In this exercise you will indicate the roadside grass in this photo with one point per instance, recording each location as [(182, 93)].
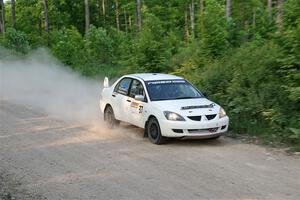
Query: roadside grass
[(265, 139)]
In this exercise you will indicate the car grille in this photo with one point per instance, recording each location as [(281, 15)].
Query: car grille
[(211, 130), (210, 117), (195, 118)]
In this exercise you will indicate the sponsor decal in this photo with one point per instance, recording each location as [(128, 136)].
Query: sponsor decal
[(138, 106), (135, 104), (165, 82), (141, 109)]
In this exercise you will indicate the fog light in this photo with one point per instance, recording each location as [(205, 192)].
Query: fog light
[(177, 130)]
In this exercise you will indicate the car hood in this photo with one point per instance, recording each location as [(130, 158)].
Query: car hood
[(188, 107)]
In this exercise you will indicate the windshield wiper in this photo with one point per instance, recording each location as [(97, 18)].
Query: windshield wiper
[(186, 97), (178, 98)]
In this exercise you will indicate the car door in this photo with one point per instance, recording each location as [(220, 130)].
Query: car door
[(136, 107), (119, 99)]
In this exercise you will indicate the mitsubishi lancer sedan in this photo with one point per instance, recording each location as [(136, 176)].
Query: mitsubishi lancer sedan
[(166, 106)]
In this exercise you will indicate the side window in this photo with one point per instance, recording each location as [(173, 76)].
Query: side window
[(136, 89), (123, 86)]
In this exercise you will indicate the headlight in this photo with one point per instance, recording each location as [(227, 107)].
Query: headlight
[(173, 116), (222, 113)]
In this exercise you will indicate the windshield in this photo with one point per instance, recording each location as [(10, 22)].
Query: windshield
[(171, 90)]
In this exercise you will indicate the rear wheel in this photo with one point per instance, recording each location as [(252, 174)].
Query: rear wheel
[(109, 118), (154, 133)]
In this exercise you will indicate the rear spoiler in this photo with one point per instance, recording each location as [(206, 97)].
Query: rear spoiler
[(106, 82)]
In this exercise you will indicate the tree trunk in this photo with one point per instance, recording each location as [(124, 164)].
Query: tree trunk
[(192, 17), (254, 19), (103, 11), (87, 15), (186, 27), (228, 9), (126, 23), (117, 15), (270, 9), (246, 28), (279, 13), (2, 17), (130, 21), (13, 13), (103, 7), (201, 15), (138, 14), (40, 22), (46, 16)]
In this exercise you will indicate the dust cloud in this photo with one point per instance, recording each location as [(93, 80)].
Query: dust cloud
[(39, 80)]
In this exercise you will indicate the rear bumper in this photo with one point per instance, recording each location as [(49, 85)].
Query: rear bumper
[(102, 106), (194, 129)]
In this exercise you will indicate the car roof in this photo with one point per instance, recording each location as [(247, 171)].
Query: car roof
[(154, 76)]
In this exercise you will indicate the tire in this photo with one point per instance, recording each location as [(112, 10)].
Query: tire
[(109, 118), (154, 133)]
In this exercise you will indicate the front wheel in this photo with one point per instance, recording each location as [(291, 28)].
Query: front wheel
[(154, 133), (109, 118)]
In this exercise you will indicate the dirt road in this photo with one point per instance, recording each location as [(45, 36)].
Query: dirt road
[(57, 159)]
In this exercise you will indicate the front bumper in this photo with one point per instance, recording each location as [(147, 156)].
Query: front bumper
[(194, 129)]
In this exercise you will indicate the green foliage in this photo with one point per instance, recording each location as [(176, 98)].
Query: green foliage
[(91, 55), (250, 85), (251, 21), (68, 46), (289, 38), (99, 45), (16, 41), (189, 60), (150, 52), (214, 35), (292, 13)]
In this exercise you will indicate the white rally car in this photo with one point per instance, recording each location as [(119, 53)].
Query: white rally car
[(164, 105)]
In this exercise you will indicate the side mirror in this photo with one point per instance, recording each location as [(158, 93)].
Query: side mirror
[(139, 97), (105, 83)]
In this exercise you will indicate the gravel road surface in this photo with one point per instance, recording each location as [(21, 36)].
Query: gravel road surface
[(51, 158)]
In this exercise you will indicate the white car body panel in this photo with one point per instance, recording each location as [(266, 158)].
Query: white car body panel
[(135, 112)]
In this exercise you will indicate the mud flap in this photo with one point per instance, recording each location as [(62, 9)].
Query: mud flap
[(146, 130)]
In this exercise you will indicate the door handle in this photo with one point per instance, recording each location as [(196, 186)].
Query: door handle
[(113, 95), (128, 100)]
